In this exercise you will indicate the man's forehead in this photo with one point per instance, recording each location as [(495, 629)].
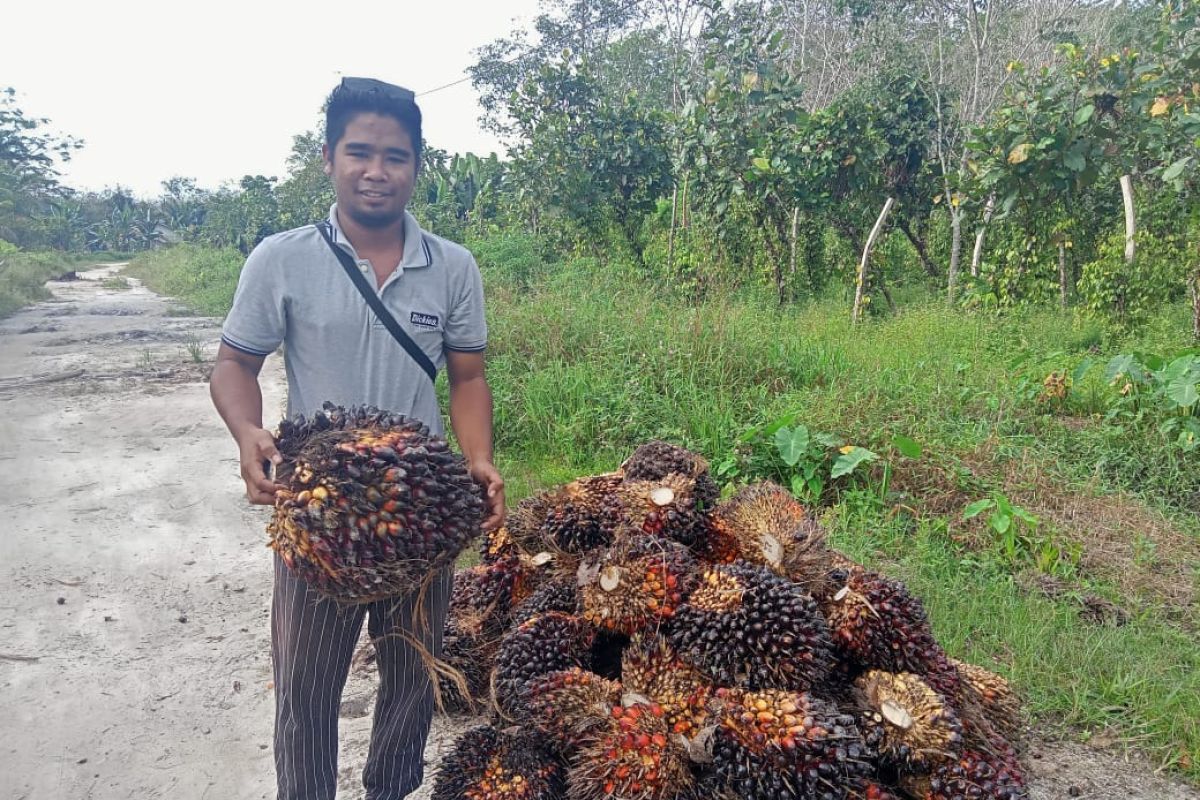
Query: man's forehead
[(371, 126)]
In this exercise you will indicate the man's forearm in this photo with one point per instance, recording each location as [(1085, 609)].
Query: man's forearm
[(237, 396), (471, 418)]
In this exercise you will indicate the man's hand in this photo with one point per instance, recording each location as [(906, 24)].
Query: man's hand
[(485, 475), (257, 447)]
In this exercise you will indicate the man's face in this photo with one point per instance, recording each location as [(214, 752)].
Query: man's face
[(373, 170)]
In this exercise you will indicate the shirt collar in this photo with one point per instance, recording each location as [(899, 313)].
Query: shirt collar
[(416, 249)]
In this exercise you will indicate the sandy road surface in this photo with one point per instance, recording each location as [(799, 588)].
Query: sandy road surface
[(134, 587)]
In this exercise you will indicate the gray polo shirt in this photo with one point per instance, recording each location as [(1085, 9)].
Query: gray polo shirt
[(294, 292)]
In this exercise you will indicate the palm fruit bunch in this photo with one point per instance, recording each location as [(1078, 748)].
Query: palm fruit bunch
[(670, 507), (651, 669), (906, 722), (667, 646), (764, 524), (744, 625), (994, 695), (876, 623), (496, 545), (569, 705), (633, 757), (571, 519), (372, 504), (635, 583), (656, 460), (480, 610), (546, 643), (555, 594), (488, 764), (969, 775), (780, 745)]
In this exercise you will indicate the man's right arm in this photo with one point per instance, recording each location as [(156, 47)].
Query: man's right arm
[(238, 398)]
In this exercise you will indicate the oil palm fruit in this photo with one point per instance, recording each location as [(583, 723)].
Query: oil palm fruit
[(633, 758), (482, 598), (636, 583), (472, 656), (995, 695), (650, 668), (496, 545), (487, 764), (546, 643), (570, 518), (972, 775), (570, 705), (372, 503), (907, 723), (670, 507), (555, 594), (766, 525), (780, 745), (743, 625), (878, 624), (657, 459), (873, 790)]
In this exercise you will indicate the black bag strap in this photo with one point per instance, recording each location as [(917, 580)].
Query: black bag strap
[(372, 297)]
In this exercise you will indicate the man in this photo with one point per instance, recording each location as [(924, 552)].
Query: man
[(295, 291)]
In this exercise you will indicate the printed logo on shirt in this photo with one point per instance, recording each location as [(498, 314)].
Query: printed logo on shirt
[(424, 320)]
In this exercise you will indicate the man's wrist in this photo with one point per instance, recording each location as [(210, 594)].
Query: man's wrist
[(244, 431)]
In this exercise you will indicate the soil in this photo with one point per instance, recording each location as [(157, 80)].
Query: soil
[(135, 587)]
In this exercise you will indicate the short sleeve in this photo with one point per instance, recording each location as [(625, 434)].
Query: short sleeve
[(257, 322), (466, 329)]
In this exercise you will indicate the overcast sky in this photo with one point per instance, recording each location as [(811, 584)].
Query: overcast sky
[(216, 89)]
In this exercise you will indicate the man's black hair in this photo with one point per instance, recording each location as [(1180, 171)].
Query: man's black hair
[(354, 96)]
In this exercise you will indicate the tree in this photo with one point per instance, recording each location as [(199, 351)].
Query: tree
[(242, 217), (182, 206), (28, 174), (305, 195), (583, 28), (585, 156)]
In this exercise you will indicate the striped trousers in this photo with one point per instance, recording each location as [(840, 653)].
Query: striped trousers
[(312, 642)]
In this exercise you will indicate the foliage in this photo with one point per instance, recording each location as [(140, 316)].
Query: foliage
[(787, 452), (23, 276), (594, 160), (1020, 538), (1157, 390), (203, 277), (305, 195), (243, 218), (1132, 292), (28, 174), (458, 196), (584, 28)]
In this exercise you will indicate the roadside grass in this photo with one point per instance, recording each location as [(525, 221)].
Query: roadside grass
[(116, 283), (203, 278), (587, 360), (1136, 683), (23, 275)]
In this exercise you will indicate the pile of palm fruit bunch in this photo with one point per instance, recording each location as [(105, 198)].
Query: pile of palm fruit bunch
[(372, 504), (632, 638)]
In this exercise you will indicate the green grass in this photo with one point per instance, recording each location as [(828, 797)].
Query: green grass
[(587, 360), (23, 275), (1139, 681), (204, 278)]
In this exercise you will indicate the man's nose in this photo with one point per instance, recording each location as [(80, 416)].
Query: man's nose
[(375, 169)]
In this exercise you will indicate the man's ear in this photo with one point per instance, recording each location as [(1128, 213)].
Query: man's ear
[(327, 157)]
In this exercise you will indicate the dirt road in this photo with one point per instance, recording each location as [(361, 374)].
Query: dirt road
[(134, 585)]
